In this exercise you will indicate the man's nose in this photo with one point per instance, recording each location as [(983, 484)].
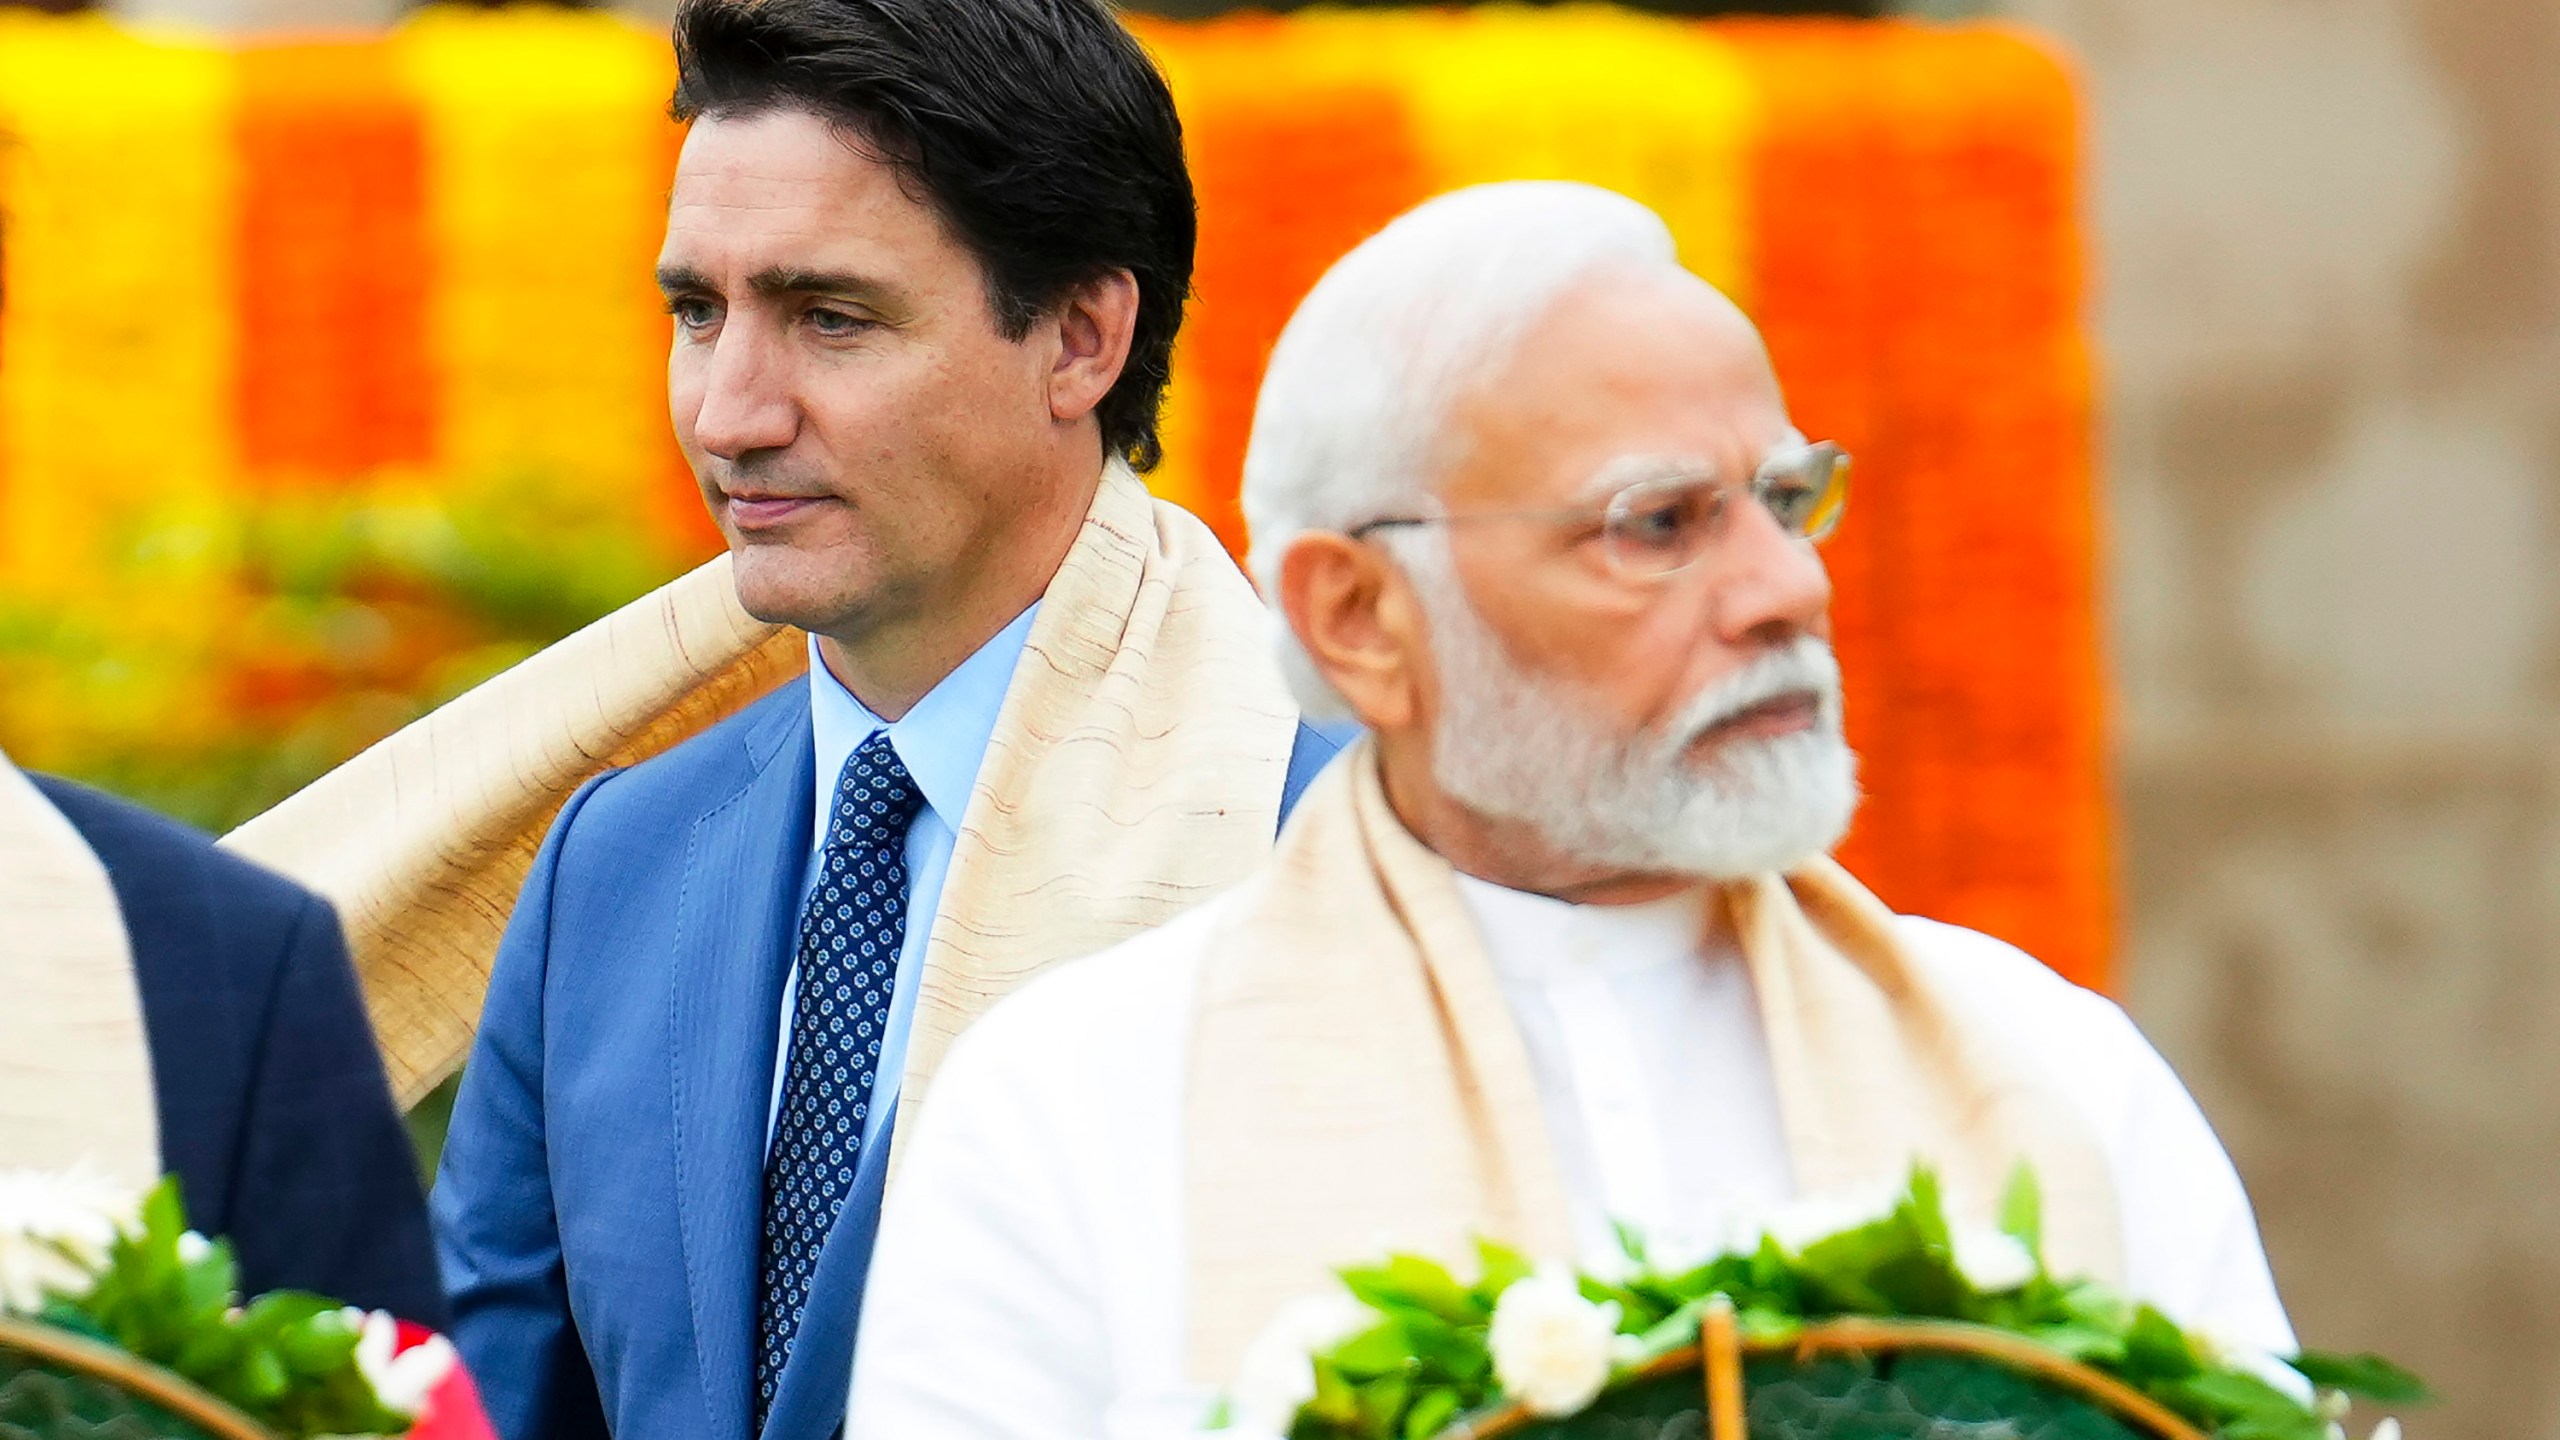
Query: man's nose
[(747, 400), (1769, 583)]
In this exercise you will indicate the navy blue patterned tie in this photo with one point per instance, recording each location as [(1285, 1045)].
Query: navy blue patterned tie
[(850, 935)]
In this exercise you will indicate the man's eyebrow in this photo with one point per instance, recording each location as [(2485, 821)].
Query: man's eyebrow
[(1626, 470), (783, 280), (680, 279), (779, 280)]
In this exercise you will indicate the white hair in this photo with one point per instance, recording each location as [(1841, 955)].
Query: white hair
[(1350, 421)]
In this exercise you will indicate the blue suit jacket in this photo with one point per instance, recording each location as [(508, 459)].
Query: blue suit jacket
[(600, 1207), (274, 1113)]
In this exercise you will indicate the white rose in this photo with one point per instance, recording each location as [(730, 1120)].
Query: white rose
[(55, 1233), (1550, 1346), (1992, 1261), (403, 1381), (1278, 1374)]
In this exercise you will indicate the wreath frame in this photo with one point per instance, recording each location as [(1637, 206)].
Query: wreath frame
[(106, 1365), (1722, 1349)]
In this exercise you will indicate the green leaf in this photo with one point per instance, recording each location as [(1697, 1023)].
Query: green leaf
[(1410, 1282), (1431, 1413), (1379, 1350), (1762, 1326), (2085, 1343), (260, 1376), (1924, 1208), (164, 1218), (1630, 1243), (1456, 1352), (1500, 1268), (2369, 1376), (1382, 1404), (317, 1348), (2155, 1348), (1335, 1401), (2022, 1211), (1675, 1331), (2236, 1395), (2303, 1425), (2092, 1305)]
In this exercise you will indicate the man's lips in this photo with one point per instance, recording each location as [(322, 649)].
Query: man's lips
[(1788, 714), (765, 512)]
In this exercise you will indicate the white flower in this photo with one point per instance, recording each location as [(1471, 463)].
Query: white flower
[(2337, 1431), (402, 1382), (2387, 1429), (1815, 1218), (1277, 1374), (55, 1231), (1992, 1261), (193, 1248), (1550, 1346)]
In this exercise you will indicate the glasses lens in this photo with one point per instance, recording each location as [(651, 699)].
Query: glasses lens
[(1806, 489), (1662, 525)]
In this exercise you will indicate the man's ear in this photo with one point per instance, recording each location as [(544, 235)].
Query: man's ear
[(1357, 620), (1095, 325)]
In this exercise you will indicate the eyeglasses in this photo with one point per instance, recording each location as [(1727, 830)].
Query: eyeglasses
[(1662, 524)]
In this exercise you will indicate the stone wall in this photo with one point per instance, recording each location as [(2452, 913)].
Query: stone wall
[(2329, 236)]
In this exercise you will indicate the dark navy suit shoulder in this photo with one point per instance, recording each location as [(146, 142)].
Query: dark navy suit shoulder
[(274, 1112), (141, 847)]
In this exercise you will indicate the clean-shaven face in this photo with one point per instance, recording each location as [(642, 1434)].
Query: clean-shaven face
[(858, 423)]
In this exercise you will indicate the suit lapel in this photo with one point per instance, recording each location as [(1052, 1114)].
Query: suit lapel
[(735, 925), (809, 1402)]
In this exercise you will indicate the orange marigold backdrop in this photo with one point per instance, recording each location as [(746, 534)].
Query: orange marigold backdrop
[(283, 319)]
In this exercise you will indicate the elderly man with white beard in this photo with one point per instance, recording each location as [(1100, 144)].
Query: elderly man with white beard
[(1557, 946)]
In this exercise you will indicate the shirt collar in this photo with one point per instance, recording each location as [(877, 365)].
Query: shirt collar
[(942, 741)]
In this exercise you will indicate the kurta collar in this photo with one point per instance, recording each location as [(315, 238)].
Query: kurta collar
[(1538, 937)]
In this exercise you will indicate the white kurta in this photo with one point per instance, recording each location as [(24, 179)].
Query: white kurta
[(1030, 1279)]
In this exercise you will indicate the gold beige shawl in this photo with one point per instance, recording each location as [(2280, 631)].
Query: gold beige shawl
[(1356, 1077), (75, 1060), (1136, 766)]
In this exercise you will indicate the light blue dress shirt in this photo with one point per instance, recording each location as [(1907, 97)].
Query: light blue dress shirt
[(942, 741)]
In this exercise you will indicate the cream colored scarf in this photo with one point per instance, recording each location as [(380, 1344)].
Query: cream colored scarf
[(1356, 1075), (1136, 766), (75, 1060)]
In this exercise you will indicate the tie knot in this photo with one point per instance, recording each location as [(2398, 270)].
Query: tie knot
[(876, 799)]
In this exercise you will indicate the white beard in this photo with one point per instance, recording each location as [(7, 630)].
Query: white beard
[(1525, 748)]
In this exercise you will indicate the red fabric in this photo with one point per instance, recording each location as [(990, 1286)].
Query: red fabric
[(453, 1411)]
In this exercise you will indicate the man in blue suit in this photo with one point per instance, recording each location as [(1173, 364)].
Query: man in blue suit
[(925, 260)]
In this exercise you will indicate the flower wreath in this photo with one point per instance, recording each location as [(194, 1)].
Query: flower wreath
[(80, 1254), (1408, 1349)]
